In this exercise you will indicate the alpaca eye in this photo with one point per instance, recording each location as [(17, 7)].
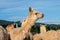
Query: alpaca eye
[(24, 20), (36, 13)]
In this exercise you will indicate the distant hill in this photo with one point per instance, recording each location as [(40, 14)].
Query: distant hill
[(35, 27), (4, 22)]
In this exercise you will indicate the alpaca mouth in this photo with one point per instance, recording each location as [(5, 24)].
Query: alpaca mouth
[(42, 15)]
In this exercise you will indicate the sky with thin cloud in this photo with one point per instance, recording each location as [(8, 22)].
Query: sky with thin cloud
[(16, 10)]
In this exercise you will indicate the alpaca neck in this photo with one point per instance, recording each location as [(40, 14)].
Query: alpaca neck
[(42, 29), (27, 26)]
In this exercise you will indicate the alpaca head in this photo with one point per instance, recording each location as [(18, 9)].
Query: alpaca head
[(10, 27), (34, 15), (42, 28)]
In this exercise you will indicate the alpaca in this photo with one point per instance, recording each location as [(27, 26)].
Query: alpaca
[(20, 34), (11, 26), (49, 35), (3, 34), (42, 31)]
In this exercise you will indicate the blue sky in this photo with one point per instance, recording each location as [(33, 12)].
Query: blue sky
[(15, 10)]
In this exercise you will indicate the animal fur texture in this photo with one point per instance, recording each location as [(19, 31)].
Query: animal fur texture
[(47, 35), (3, 34), (20, 34)]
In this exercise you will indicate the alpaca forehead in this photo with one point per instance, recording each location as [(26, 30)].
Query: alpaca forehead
[(34, 11)]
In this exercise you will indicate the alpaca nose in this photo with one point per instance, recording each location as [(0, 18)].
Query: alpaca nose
[(42, 15)]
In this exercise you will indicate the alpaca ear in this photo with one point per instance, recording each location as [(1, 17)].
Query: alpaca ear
[(24, 20), (30, 9)]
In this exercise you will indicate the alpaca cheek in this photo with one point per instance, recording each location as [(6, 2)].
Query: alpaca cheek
[(34, 17)]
